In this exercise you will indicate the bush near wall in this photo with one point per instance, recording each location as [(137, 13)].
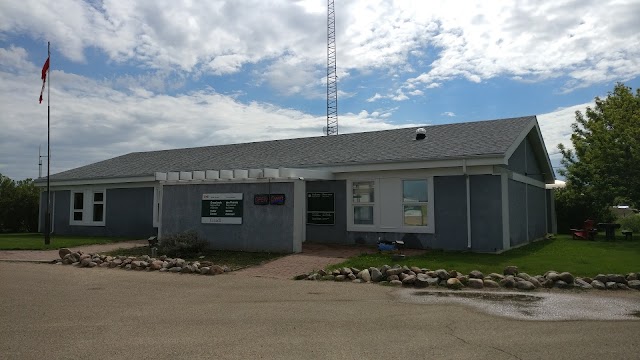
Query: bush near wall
[(631, 223), (185, 244)]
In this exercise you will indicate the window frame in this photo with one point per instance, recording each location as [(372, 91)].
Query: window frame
[(415, 203), (371, 204), (87, 211)]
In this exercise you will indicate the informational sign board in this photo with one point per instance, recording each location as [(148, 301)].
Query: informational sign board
[(222, 208), (321, 208)]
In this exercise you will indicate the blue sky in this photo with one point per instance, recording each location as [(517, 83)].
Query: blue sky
[(147, 75)]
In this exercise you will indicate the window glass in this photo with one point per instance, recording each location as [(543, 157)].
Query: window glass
[(363, 192), (98, 197), (98, 212), (78, 201), (77, 215), (363, 215), (415, 215), (414, 190)]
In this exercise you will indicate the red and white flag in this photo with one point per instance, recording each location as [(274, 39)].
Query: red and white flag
[(45, 69)]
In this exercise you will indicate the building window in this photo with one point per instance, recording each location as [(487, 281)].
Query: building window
[(415, 202), (88, 207), (78, 206), (363, 201)]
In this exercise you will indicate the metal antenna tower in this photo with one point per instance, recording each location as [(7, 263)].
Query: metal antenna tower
[(332, 77)]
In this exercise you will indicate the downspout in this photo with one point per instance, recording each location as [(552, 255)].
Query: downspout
[(466, 175)]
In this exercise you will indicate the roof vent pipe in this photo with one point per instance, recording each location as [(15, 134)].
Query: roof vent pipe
[(421, 133)]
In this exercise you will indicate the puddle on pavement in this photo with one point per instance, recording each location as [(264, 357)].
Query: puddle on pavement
[(541, 306)]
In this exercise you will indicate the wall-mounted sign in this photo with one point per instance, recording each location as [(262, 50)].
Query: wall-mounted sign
[(266, 199), (321, 208), (222, 208)]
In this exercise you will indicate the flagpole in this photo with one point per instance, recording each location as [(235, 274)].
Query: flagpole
[(47, 239)]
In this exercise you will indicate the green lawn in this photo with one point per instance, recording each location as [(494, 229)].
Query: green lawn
[(35, 241), (580, 257), (233, 259)]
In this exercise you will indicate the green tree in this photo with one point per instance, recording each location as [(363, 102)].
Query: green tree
[(604, 164), (18, 205)]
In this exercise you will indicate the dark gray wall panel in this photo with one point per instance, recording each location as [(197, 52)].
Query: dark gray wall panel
[(517, 161), (537, 219), (517, 213), (129, 213), (486, 213), (450, 193), (263, 228), (330, 234)]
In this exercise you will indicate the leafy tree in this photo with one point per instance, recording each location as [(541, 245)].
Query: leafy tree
[(18, 205), (604, 165)]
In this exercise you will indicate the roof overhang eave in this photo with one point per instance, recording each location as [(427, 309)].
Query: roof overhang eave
[(42, 182)]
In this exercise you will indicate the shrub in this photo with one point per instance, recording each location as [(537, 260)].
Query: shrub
[(631, 223), (185, 244)]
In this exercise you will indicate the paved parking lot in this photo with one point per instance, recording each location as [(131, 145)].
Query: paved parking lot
[(63, 312)]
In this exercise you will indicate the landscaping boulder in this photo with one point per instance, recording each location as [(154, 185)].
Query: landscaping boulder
[(632, 276), (535, 282), (454, 283), (393, 277), (442, 274), (561, 284), (328, 277), (475, 274), (511, 270), (394, 271), (409, 280), (364, 275), (553, 276), (597, 284), (617, 278), (496, 277), (634, 284), (566, 277), (524, 276), (475, 283), (340, 277), (602, 278), (216, 270), (433, 281), (491, 284), (583, 284), (395, 282), (85, 262), (352, 276), (416, 270), (63, 252), (204, 270), (376, 275), (525, 285), (507, 282), (421, 281)]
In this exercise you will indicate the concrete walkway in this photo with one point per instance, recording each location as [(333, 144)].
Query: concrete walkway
[(48, 255), (312, 257)]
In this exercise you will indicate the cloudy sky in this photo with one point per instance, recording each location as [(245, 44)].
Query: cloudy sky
[(143, 75)]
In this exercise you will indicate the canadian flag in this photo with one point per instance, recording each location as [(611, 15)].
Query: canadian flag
[(45, 69)]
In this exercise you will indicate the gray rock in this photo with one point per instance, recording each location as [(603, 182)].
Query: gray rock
[(322, 272), (340, 277), (464, 279), (510, 270), (611, 285), (136, 263), (204, 270), (395, 283), (421, 281), (442, 283), (68, 259), (491, 284), (566, 277), (314, 276), (416, 270), (561, 284), (85, 262), (454, 273), (336, 272), (632, 276), (475, 274), (297, 277), (535, 282), (384, 269), (92, 264), (616, 278), (187, 269), (454, 283), (442, 274), (357, 281), (598, 285), (104, 264), (364, 275), (355, 271), (394, 271), (634, 284), (346, 271), (496, 277), (583, 284), (376, 275), (175, 269), (507, 283), (63, 252), (216, 270), (352, 276), (127, 267), (588, 280), (524, 276), (547, 283), (525, 285), (475, 283), (622, 286), (602, 278), (328, 277), (164, 270), (393, 277), (145, 258), (553, 276), (409, 279), (180, 262), (433, 281), (156, 265)]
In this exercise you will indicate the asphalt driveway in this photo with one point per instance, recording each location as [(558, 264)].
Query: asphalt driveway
[(62, 312)]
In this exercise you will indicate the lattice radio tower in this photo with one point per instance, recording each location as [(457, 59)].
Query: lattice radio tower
[(332, 77)]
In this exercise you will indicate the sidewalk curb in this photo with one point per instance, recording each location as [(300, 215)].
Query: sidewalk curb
[(28, 261)]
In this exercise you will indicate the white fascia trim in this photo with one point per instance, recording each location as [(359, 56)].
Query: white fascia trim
[(106, 186), (80, 182), (496, 160), (544, 149), (226, 181), (519, 177)]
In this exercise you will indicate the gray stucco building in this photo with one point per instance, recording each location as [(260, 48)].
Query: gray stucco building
[(476, 186)]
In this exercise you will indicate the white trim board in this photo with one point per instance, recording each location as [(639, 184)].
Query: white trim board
[(81, 182)]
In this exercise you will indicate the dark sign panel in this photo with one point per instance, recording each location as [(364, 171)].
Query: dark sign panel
[(266, 199), (222, 208), (320, 208)]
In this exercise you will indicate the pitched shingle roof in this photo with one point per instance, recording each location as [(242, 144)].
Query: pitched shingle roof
[(450, 141)]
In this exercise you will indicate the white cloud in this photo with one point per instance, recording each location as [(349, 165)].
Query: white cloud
[(375, 97), (476, 41), (92, 121), (448, 113)]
